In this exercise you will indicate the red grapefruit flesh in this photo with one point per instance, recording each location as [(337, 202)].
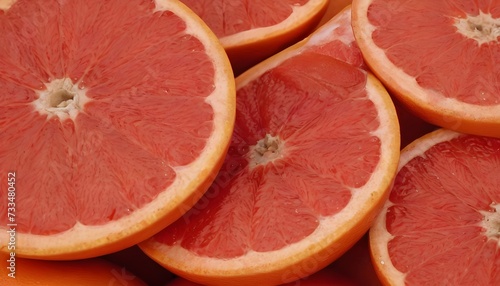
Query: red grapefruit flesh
[(438, 57), (441, 223), (114, 113), (314, 151)]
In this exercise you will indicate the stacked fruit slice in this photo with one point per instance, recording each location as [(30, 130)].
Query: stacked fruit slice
[(113, 114), (440, 225), (439, 58), (120, 118), (313, 154)]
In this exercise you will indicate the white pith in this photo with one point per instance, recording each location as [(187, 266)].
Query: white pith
[(330, 228), (491, 222), (66, 109), (6, 4), (83, 237), (483, 27), (266, 150)]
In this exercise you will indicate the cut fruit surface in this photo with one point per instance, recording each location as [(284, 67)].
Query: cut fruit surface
[(115, 117), (441, 223), (94, 271), (439, 58), (251, 31), (313, 153)]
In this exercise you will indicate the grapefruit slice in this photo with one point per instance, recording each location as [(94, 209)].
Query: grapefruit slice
[(113, 115), (439, 58), (94, 271), (314, 151), (440, 225), (251, 31)]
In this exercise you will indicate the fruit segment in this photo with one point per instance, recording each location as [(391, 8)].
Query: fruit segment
[(311, 159)]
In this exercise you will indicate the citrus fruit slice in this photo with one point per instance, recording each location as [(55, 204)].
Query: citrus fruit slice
[(440, 225), (93, 271), (251, 31), (439, 58), (113, 114), (313, 153)]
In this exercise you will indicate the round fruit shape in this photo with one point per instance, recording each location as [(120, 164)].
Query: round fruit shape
[(115, 117), (440, 58), (440, 225), (313, 154)]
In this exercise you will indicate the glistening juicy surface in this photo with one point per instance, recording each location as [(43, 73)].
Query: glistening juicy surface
[(422, 39), (440, 201), (323, 119), (226, 18), (146, 114)]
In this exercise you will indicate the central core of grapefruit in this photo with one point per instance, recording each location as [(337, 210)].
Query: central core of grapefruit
[(266, 150), (61, 98), (483, 27), (491, 222), (6, 4)]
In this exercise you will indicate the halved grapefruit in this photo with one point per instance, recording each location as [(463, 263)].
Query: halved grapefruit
[(251, 31), (313, 154), (440, 225), (439, 57), (114, 113)]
